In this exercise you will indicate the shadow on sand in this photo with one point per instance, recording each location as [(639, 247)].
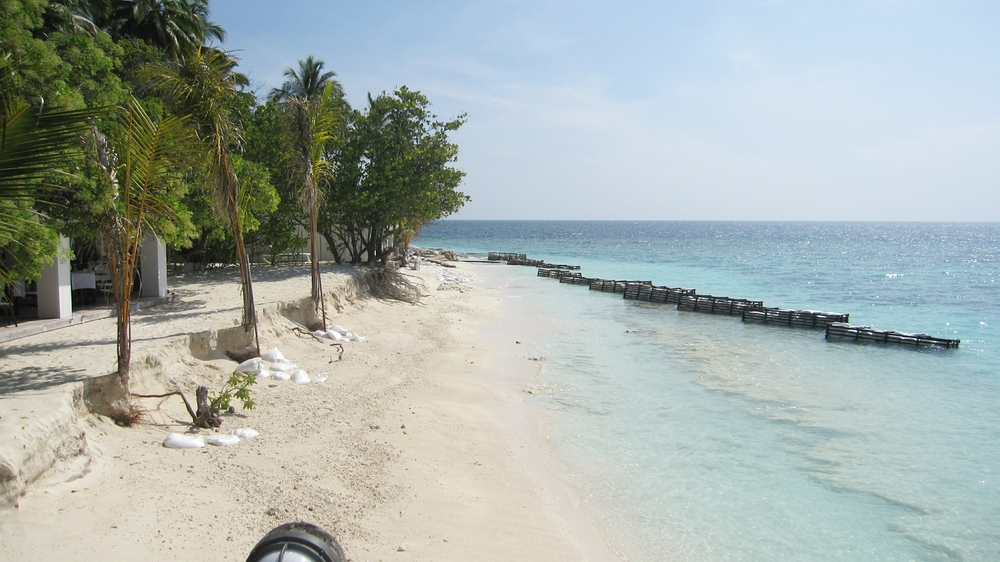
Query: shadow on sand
[(33, 379)]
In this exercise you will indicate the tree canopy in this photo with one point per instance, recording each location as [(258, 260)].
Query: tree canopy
[(377, 173), (394, 175), (121, 119)]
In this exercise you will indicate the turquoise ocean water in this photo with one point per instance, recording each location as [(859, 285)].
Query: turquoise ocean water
[(699, 437)]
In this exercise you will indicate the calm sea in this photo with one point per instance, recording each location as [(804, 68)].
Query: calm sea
[(698, 437)]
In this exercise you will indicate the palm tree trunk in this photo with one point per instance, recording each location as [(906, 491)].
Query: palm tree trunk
[(317, 280), (246, 282), (123, 306)]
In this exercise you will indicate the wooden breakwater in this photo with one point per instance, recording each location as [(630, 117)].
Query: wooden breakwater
[(835, 325), (716, 305), (845, 331), (521, 259), (651, 293), (800, 318), (557, 273), (613, 285), (504, 256)]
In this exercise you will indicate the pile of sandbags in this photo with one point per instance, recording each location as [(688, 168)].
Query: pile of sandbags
[(280, 368), (181, 441), (339, 334)]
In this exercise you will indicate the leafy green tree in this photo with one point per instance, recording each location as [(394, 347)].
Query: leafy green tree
[(213, 242), (48, 70), (395, 174), (33, 142), (264, 146)]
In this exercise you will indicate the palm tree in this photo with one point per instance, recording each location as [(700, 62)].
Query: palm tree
[(306, 83), (138, 170), (311, 124), (76, 16), (201, 85), (176, 26)]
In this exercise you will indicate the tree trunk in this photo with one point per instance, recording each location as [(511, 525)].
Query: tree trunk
[(204, 417), (232, 187), (123, 306), (246, 283), (317, 280), (331, 241)]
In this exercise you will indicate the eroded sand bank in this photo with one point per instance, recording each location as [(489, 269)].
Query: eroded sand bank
[(417, 446)]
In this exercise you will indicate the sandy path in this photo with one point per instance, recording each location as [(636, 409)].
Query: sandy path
[(405, 453)]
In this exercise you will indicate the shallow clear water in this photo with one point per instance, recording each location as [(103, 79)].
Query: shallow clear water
[(699, 437)]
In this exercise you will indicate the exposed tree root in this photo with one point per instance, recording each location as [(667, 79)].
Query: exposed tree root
[(390, 283), (302, 334), (127, 417)]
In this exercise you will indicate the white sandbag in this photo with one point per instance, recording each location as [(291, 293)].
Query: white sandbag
[(284, 368), (334, 335), (321, 377), (274, 356), (280, 376), (181, 441), (339, 329), (355, 337), (222, 440), (300, 377), (249, 366), (245, 433), (319, 334), (263, 374)]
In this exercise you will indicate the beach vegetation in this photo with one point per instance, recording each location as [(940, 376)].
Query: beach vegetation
[(33, 145), (312, 106), (394, 174), (236, 388), (120, 120), (204, 85), (279, 227), (177, 27), (141, 163), (307, 82)]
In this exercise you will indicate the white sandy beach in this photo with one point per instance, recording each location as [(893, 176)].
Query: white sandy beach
[(417, 447)]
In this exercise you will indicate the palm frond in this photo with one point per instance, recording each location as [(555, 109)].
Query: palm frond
[(33, 144), (153, 156)]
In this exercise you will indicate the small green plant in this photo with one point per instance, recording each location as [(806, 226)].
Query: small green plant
[(238, 387)]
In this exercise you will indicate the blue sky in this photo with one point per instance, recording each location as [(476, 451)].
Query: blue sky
[(697, 110)]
